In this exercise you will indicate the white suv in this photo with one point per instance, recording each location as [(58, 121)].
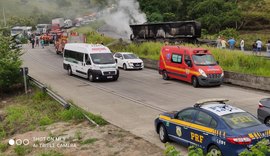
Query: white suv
[(127, 60)]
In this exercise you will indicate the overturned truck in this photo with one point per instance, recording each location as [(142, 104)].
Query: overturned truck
[(179, 31)]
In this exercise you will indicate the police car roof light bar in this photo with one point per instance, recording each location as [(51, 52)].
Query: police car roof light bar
[(204, 101)]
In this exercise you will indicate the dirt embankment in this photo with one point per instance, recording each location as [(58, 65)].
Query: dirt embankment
[(36, 125), (82, 139)]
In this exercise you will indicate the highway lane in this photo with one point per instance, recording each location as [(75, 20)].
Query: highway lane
[(135, 100)]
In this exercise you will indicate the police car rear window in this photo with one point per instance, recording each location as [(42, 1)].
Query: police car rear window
[(240, 120)]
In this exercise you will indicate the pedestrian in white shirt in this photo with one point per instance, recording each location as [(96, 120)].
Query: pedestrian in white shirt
[(242, 45), (259, 46)]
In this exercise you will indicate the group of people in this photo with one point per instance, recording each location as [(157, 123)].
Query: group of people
[(256, 46), (222, 43), (36, 40)]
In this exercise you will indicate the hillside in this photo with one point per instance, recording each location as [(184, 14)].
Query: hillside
[(215, 15)]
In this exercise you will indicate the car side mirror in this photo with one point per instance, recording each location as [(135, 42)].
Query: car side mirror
[(121, 58), (217, 62), (88, 62), (189, 63)]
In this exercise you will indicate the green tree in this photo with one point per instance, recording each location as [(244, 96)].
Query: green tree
[(215, 14), (10, 63), (155, 17), (169, 16), (21, 21)]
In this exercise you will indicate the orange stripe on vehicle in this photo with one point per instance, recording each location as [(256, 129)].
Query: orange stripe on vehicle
[(177, 68), (191, 125)]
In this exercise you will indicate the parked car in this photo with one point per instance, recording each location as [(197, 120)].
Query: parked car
[(263, 112), (212, 125), (127, 60)]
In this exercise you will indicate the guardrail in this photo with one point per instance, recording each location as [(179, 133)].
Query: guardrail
[(58, 98)]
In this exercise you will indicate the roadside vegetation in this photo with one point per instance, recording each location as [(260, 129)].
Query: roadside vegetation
[(235, 61), (38, 115), (10, 63), (27, 112), (260, 149)]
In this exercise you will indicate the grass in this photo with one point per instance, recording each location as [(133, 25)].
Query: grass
[(22, 150), (27, 112), (78, 135), (3, 147), (89, 141), (51, 153)]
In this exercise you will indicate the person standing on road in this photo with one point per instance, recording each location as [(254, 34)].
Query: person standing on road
[(37, 41), (33, 42), (42, 42), (242, 45), (259, 46), (231, 43)]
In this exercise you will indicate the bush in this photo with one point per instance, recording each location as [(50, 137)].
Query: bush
[(228, 33), (260, 149), (10, 63)]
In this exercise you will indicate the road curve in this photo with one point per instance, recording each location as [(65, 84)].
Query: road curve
[(135, 100)]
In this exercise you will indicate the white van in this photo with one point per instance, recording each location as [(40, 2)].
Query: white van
[(91, 61)]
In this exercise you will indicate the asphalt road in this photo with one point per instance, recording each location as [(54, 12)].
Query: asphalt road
[(136, 99)]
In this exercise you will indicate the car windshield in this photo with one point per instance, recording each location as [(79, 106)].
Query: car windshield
[(130, 56), (240, 120), (41, 26), (102, 58), (15, 31), (204, 60)]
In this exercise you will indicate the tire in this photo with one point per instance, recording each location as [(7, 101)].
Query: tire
[(69, 70), (91, 77), (163, 135), (195, 82), (214, 151), (115, 78), (124, 66), (267, 121), (165, 75)]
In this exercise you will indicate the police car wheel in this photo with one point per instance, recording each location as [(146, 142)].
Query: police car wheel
[(70, 71), (195, 82), (165, 75), (267, 121), (214, 151), (163, 135)]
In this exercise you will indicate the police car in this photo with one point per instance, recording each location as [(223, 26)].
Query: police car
[(213, 126)]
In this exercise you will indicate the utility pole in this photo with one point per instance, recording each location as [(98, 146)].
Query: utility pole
[(5, 22)]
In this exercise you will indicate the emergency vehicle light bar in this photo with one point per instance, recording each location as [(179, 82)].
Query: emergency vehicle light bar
[(204, 101)]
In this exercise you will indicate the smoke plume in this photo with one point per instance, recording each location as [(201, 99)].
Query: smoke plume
[(121, 15)]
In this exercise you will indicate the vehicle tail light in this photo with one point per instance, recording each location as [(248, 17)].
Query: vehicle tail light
[(239, 140), (261, 105)]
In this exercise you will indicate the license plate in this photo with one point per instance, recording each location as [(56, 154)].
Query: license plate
[(137, 65), (109, 77)]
